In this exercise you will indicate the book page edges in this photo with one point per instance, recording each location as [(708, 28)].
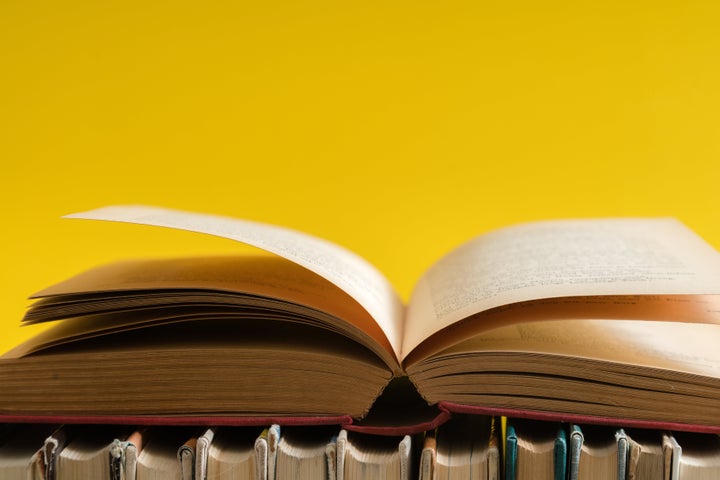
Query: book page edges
[(178, 420), (342, 267)]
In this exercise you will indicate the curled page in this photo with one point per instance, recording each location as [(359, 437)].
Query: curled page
[(561, 258), (347, 270)]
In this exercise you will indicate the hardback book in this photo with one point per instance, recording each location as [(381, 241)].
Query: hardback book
[(306, 453), (587, 321), (465, 447), (158, 458), (671, 457), (237, 453), (597, 452), (21, 452), (535, 450), (187, 458), (125, 456), (697, 457), (202, 447), (53, 446), (361, 456), (652, 454), (428, 456), (93, 452)]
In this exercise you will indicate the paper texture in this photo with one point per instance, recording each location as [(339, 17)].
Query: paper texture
[(560, 258)]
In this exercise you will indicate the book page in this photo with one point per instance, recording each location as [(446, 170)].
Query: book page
[(663, 345), (342, 267), (682, 309), (179, 289), (561, 258)]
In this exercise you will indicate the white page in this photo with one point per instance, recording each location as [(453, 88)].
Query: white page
[(340, 266), (557, 259)]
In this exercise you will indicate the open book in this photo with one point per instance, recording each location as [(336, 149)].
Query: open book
[(599, 321)]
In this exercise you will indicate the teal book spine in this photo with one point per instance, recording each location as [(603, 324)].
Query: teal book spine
[(510, 453), (560, 454)]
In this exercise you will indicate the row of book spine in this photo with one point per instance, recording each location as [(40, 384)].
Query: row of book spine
[(465, 447)]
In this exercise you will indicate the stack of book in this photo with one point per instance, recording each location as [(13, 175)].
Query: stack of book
[(596, 339), (464, 447)]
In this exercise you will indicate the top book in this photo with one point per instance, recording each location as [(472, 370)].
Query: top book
[(596, 321)]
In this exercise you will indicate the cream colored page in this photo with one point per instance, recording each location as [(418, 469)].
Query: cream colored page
[(672, 346), (345, 269), (557, 259)]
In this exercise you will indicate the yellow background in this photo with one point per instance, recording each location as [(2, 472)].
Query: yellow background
[(398, 129)]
